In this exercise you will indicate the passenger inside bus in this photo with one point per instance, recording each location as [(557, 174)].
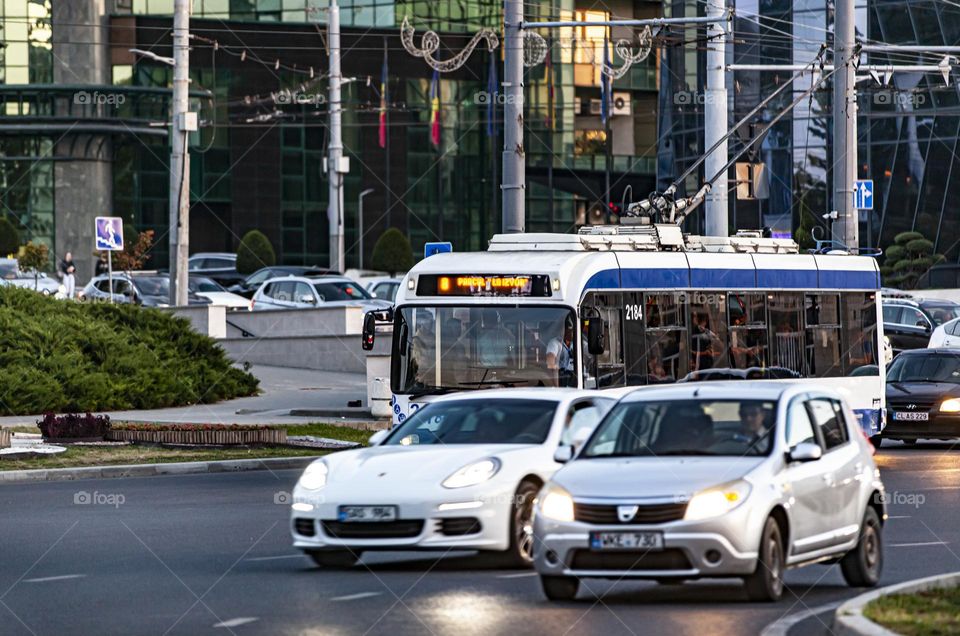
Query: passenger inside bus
[(495, 343)]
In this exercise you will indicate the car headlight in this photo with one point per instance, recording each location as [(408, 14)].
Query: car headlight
[(473, 474), (950, 406), (717, 501), (315, 476), (556, 504)]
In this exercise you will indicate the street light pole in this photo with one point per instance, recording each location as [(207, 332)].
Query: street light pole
[(846, 225), (335, 148), (182, 123), (360, 226)]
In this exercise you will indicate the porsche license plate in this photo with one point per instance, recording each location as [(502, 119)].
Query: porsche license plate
[(367, 513), (626, 541)]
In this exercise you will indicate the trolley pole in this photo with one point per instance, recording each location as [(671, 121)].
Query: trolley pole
[(845, 228), (514, 162)]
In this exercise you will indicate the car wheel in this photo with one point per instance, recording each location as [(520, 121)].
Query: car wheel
[(877, 441), (560, 588), (766, 583), (520, 552), (334, 558), (863, 565)]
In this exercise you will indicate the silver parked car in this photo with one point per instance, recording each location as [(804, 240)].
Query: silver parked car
[(721, 479), (11, 274), (303, 292)]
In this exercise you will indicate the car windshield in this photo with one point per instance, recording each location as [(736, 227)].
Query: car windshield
[(9, 270), (479, 421), (942, 313), (153, 285), (926, 367), (204, 285), (463, 347), (685, 427), (340, 290)]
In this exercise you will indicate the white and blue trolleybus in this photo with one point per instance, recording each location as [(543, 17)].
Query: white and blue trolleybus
[(619, 306)]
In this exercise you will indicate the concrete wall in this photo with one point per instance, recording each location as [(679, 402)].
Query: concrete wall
[(297, 322), (324, 353)]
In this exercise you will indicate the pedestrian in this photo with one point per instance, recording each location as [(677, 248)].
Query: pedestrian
[(101, 267), (67, 273)]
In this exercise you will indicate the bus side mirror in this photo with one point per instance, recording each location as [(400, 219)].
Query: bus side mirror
[(369, 330), (595, 340)]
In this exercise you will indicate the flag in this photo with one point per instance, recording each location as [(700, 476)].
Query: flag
[(383, 99), (551, 104), (605, 85), (493, 90), (435, 108)]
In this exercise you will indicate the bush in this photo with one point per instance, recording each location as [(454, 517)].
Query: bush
[(73, 357), (254, 252), (74, 425), (392, 252), (9, 238), (909, 258)]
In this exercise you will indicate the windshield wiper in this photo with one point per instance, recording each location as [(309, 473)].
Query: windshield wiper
[(682, 452), (433, 390)]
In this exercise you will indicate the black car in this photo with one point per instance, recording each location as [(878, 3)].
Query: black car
[(249, 286), (923, 395), (908, 323), (148, 289)]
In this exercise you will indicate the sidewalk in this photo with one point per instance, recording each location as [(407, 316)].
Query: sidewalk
[(323, 395)]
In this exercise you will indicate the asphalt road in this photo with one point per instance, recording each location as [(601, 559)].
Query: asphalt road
[(210, 554)]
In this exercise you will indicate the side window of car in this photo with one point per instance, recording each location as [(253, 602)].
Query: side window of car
[(914, 317), (304, 291), (102, 285), (799, 429), (952, 327), (195, 264), (259, 277), (268, 289), (891, 314), (830, 422), (580, 415)]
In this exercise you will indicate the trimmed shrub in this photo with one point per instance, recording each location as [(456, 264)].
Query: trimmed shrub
[(75, 357), (908, 259), (9, 238), (74, 425), (254, 252), (392, 252)]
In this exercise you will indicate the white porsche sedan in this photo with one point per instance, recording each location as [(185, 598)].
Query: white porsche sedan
[(462, 472)]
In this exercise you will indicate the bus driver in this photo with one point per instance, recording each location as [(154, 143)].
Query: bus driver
[(560, 356)]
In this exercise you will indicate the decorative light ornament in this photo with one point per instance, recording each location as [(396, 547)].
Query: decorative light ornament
[(534, 48), (430, 43), (625, 52)]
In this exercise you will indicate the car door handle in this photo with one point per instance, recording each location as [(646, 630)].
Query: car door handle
[(829, 479)]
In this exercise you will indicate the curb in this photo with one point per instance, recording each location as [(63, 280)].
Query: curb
[(152, 470), (850, 621)]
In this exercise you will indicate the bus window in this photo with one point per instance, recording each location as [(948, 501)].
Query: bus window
[(606, 369), (708, 331), (859, 332), (823, 335), (666, 337), (786, 338), (748, 330)]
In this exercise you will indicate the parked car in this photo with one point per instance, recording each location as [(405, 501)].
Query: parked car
[(718, 479), (249, 286), (460, 473), (923, 395), (150, 289), (946, 335), (11, 274), (301, 292), (384, 288), (220, 266), (214, 291), (910, 323)]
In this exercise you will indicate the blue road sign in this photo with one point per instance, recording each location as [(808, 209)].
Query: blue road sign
[(429, 249), (863, 194), (109, 233)]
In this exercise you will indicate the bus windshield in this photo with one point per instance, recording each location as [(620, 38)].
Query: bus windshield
[(452, 348)]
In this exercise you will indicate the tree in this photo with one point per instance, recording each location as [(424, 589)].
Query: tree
[(392, 252), (9, 238), (136, 252), (255, 251), (35, 257), (804, 233), (910, 256)]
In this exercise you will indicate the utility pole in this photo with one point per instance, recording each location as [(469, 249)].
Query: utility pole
[(845, 228), (335, 148), (715, 120), (182, 123), (514, 169)]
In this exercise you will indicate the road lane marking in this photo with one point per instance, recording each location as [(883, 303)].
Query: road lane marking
[(518, 575), (46, 579), (917, 545), (236, 622), (355, 597), (898, 517), (282, 556), (783, 626)]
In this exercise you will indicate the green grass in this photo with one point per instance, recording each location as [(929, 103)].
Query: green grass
[(930, 613)]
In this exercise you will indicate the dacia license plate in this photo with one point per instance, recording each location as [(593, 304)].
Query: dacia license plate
[(626, 541), (370, 514)]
